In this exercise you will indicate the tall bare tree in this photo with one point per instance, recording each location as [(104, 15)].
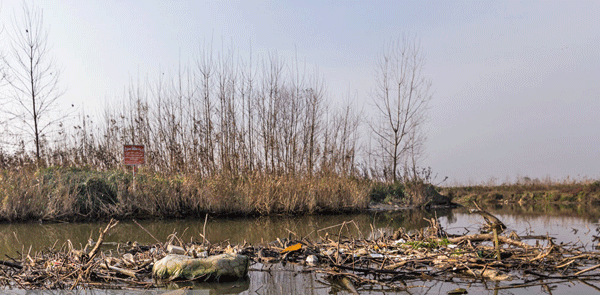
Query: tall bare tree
[(3, 80), (33, 76), (313, 125), (3, 67), (401, 99)]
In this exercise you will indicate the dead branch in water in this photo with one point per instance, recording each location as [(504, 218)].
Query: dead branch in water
[(103, 233), (399, 262), (489, 237)]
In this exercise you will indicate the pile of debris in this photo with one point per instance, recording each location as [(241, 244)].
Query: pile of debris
[(394, 262)]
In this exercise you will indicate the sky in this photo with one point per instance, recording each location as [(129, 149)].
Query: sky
[(516, 84)]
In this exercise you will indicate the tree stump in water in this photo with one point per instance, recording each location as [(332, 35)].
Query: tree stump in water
[(213, 268)]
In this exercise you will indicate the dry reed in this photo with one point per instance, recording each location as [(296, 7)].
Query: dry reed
[(83, 194)]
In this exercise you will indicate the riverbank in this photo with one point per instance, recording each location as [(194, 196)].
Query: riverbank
[(566, 192), (84, 194), (76, 194)]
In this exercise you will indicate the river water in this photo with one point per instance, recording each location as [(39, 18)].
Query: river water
[(568, 224)]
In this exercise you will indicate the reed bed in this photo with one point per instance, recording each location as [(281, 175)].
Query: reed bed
[(83, 194)]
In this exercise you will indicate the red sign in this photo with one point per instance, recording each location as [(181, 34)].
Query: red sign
[(133, 155)]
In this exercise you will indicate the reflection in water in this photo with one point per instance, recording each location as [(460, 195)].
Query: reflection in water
[(557, 221), (565, 223), (279, 279), (19, 237), (212, 288)]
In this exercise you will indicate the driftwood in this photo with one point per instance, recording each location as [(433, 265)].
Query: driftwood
[(110, 226), (489, 237), (11, 264), (492, 221), (586, 270), (396, 263), (495, 224), (126, 272)]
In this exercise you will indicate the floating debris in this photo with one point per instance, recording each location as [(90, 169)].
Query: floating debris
[(312, 259), (395, 261)]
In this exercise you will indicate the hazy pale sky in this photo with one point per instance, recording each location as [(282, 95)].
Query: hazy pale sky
[(516, 84)]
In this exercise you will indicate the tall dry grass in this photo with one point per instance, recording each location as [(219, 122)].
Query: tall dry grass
[(84, 194)]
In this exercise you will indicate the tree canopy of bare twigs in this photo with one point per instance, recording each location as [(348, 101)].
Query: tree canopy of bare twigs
[(3, 74), (221, 114), (401, 99), (225, 115), (33, 79)]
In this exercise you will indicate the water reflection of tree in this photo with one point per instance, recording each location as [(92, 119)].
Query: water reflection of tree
[(288, 279), (234, 287), (411, 219), (586, 212), (18, 237)]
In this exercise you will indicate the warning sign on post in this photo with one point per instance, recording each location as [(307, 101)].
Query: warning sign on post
[(133, 155)]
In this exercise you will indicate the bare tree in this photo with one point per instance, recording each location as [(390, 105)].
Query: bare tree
[(224, 116), (207, 70), (3, 80), (3, 67), (313, 124), (401, 99), (33, 77)]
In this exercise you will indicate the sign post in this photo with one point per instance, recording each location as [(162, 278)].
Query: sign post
[(134, 155)]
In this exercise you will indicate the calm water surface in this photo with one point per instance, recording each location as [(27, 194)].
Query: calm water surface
[(571, 224)]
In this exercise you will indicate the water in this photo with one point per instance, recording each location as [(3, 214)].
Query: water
[(567, 224), (19, 237)]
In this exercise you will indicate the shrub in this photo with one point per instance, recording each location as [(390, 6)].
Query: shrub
[(382, 192)]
